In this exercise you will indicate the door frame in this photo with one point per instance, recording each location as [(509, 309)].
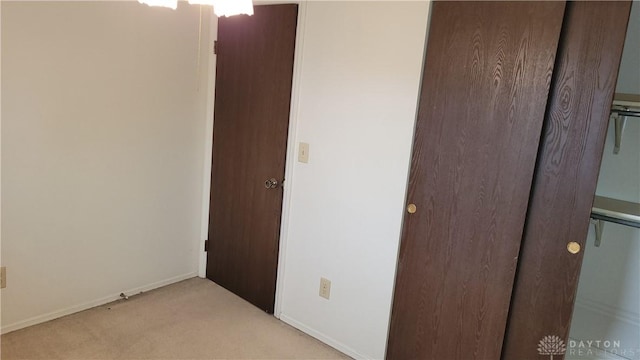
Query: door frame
[(290, 154)]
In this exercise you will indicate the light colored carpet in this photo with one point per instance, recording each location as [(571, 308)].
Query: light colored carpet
[(192, 319)]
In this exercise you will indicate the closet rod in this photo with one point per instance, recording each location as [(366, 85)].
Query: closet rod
[(615, 211)]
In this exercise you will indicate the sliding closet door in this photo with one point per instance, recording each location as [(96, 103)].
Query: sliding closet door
[(485, 85), (566, 176)]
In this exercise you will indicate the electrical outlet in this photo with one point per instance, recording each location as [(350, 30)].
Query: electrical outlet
[(3, 277), (325, 288)]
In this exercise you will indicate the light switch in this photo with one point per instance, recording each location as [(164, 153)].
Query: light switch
[(303, 152)]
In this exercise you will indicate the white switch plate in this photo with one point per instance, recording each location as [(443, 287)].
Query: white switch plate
[(303, 152), (325, 288), (3, 277)]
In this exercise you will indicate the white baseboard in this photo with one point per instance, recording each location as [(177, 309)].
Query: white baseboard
[(90, 304), (628, 317), (324, 338)]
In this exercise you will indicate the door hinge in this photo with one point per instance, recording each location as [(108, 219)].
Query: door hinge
[(215, 47), (206, 245)]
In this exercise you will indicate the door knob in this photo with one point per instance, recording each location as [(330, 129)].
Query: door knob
[(411, 208), (271, 183), (573, 247)]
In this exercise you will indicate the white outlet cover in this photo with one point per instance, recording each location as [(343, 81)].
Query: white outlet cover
[(325, 288)]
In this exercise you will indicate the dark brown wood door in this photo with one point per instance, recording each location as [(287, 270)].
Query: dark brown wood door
[(566, 175), (485, 85), (251, 118)]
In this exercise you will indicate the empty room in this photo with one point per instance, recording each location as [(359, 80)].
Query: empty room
[(237, 179)]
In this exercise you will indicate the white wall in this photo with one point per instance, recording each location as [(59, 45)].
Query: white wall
[(102, 152), (629, 79), (358, 87), (608, 299), (0, 160)]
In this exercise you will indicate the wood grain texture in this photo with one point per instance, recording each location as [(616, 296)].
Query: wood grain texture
[(485, 85), (566, 174), (253, 93)]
